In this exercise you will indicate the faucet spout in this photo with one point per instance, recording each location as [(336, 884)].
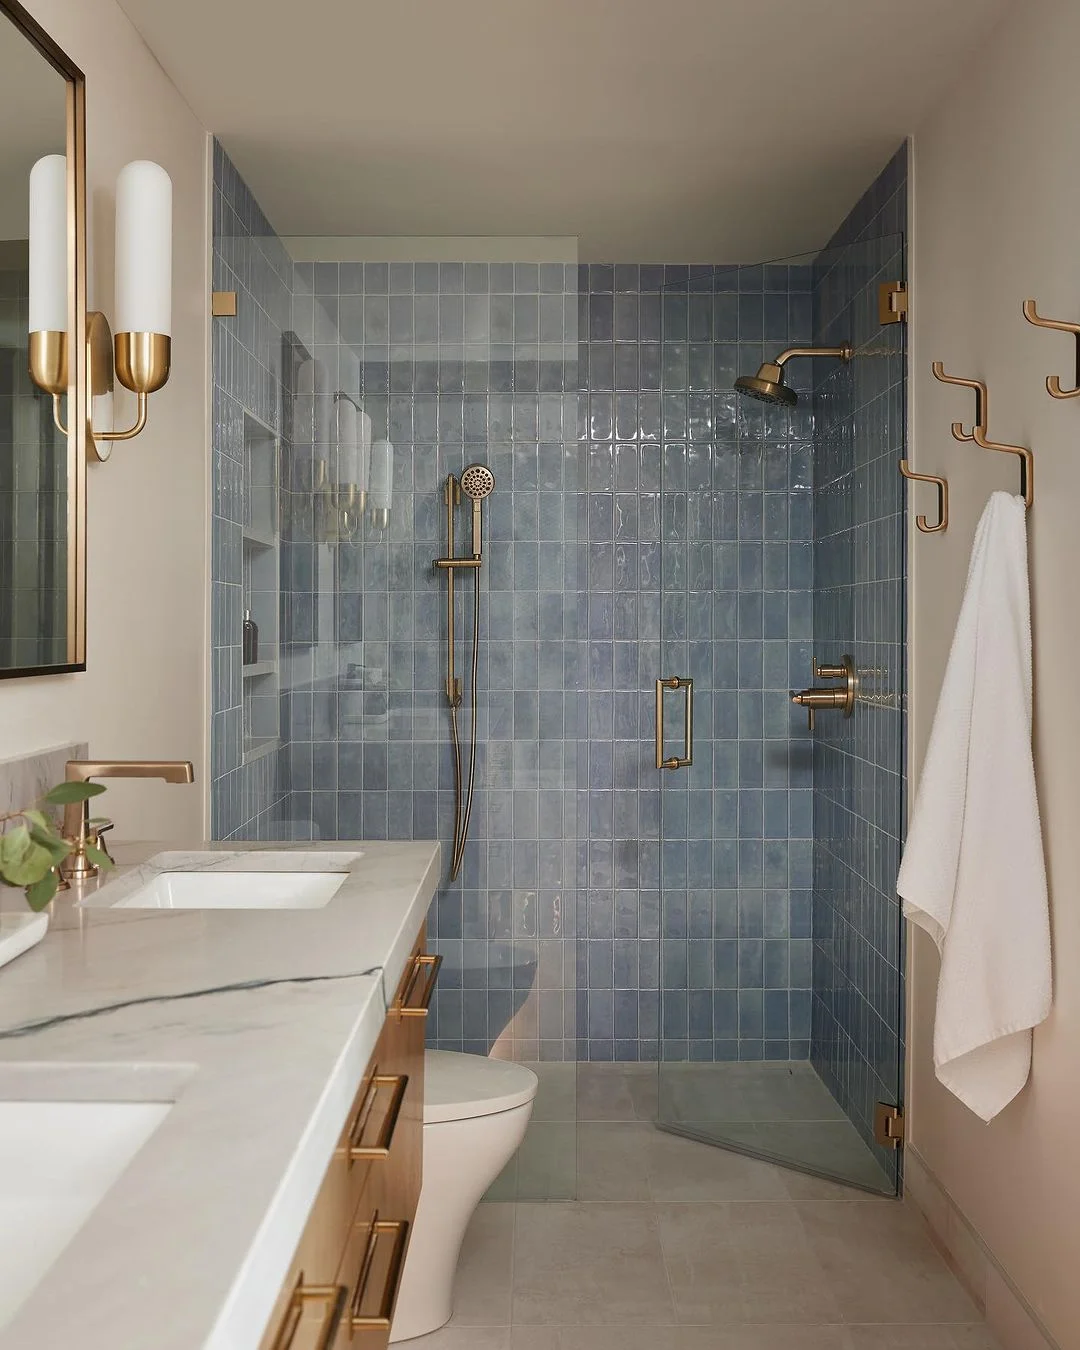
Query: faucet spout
[(76, 814)]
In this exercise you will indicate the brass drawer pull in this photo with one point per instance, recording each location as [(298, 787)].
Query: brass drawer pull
[(359, 1151), (380, 1321), (404, 1008), (335, 1296)]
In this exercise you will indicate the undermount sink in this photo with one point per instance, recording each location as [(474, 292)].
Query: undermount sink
[(235, 890), (270, 879), (60, 1160)]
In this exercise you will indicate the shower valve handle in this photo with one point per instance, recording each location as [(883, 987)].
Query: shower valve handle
[(842, 699)]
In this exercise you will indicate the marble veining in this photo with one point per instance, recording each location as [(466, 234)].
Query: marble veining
[(257, 1027)]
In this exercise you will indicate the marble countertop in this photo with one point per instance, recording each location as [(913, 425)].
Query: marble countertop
[(257, 1025)]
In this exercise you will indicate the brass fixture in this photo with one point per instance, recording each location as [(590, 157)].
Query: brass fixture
[(333, 1296), (892, 302), (816, 698), (768, 384), (403, 1007), (379, 1320), (888, 1125), (477, 482), (687, 758), (978, 432), (223, 304), (141, 362), (943, 498), (380, 1149), (77, 831), (1053, 383)]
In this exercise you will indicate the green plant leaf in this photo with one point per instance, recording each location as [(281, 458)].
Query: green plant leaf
[(39, 820), (30, 867), (41, 892), (14, 845), (63, 794), (58, 847), (99, 856)]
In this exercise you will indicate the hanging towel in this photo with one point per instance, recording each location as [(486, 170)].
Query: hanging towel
[(973, 873)]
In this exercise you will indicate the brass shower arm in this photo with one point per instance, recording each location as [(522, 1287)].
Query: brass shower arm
[(845, 353)]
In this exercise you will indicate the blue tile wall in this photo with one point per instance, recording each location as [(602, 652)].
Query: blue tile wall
[(247, 798), (696, 509), (590, 392), (859, 570)]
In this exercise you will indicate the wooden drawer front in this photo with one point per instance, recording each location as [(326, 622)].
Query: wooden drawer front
[(343, 1280)]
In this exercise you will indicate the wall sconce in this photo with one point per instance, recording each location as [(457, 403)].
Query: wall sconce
[(140, 354), (342, 482)]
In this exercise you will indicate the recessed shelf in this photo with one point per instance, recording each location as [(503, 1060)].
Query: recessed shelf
[(257, 668), (257, 749), (254, 538)]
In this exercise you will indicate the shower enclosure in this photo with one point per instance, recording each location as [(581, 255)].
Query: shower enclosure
[(661, 564), (780, 844)]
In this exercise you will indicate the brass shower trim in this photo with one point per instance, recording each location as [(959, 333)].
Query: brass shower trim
[(768, 386), (817, 698)]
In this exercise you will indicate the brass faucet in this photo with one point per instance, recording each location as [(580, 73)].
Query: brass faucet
[(842, 699), (77, 866)]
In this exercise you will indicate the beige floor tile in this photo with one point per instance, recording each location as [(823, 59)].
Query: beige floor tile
[(880, 1265), (612, 1161), (580, 1264), (462, 1338), (643, 1084), (742, 1262), (687, 1172), (803, 1186), (603, 1093), (594, 1338), (784, 1337), (973, 1337), (556, 1093), (485, 1267), (547, 1161)]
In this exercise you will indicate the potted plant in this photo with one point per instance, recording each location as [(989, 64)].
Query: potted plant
[(32, 847)]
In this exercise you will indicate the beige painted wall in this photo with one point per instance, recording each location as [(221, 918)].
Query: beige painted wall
[(143, 693), (996, 218)]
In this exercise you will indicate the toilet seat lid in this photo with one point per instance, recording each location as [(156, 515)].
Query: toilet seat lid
[(460, 1087)]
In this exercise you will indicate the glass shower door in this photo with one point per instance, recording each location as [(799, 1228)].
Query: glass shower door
[(781, 531)]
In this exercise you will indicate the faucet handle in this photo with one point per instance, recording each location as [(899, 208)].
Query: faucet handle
[(828, 672), (94, 830)]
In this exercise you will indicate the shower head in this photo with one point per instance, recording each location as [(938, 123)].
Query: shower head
[(768, 384), (477, 482)]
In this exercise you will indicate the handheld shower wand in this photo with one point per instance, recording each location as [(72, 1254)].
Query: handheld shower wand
[(477, 482)]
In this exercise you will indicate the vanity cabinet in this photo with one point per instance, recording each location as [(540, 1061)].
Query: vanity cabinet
[(342, 1284)]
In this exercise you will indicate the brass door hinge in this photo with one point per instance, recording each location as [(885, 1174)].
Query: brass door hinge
[(223, 304), (892, 302), (889, 1125)]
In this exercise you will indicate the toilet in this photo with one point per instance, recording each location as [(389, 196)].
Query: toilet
[(475, 1114)]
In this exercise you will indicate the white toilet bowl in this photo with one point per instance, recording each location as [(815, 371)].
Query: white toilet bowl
[(475, 1114)]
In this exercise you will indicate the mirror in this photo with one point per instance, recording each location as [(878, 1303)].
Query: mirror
[(42, 468)]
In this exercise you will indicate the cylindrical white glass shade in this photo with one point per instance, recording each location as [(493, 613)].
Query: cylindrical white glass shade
[(363, 453), (382, 475), (347, 447), (143, 249), (48, 246)]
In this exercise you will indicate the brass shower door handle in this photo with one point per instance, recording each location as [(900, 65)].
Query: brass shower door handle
[(674, 761)]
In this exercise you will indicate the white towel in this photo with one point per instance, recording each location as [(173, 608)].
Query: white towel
[(973, 873)]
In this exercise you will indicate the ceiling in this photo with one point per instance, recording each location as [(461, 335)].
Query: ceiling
[(654, 130)]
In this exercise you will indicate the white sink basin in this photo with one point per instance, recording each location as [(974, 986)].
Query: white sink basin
[(273, 879), (60, 1159), (235, 890)]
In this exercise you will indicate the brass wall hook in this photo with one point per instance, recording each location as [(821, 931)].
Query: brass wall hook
[(1026, 458), (1053, 383), (982, 401), (942, 485)]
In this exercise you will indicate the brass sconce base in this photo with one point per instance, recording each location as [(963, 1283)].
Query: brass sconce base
[(141, 361)]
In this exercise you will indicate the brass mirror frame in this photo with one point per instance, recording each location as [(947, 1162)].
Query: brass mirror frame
[(76, 396)]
